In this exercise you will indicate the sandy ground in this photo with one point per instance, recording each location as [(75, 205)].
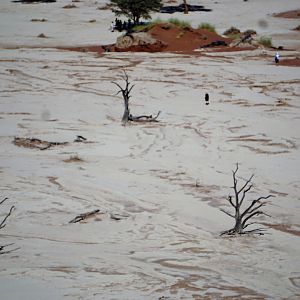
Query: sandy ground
[(167, 243)]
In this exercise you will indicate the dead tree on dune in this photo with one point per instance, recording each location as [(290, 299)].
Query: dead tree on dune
[(2, 225), (127, 116), (244, 216)]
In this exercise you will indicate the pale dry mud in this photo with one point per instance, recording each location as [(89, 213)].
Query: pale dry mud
[(167, 243), (166, 180)]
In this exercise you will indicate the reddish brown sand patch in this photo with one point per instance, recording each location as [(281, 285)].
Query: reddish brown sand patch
[(292, 62), (292, 14), (88, 48), (283, 228), (174, 39), (184, 40)]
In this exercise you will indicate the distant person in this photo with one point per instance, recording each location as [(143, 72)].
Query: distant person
[(206, 99), (112, 26), (277, 56), (129, 24), (119, 25), (124, 26)]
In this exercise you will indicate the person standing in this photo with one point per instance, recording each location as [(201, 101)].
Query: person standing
[(277, 56), (112, 26)]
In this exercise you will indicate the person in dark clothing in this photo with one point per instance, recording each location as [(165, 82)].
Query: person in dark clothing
[(206, 99)]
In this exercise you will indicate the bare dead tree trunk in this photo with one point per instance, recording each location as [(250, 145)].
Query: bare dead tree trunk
[(242, 217), (126, 96), (186, 8)]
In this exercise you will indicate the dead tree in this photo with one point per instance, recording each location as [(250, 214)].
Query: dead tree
[(243, 216), (2, 225), (126, 96), (127, 116), (186, 8)]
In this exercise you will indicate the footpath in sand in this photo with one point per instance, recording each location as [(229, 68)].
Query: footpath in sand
[(159, 186)]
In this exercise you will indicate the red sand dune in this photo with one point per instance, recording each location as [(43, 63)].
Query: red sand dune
[(184, 40), (291, 62)]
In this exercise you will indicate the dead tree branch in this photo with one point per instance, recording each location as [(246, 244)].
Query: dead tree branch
[(144, 118), (127, 116), (243, 216), (2, 225), (84, 216)]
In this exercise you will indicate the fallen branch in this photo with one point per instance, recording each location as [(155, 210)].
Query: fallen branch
[(84, 216), (2, 225), (7, 251), (36, 143), (80, 139), (118, 217), (144, 118)]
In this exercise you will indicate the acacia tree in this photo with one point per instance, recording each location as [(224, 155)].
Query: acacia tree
[(136, 9), (242, 217)]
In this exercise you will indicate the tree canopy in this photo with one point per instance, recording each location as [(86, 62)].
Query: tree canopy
[(136, 9)]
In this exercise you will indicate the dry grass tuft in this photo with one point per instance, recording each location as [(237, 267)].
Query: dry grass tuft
[(74, 159)]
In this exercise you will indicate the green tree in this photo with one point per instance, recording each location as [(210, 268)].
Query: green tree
[(136, 9)]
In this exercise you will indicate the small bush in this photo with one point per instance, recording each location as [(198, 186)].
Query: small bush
[(249, 32), (179, 23), (266, 41), (73, 158), (232, 31), (234, 36), (297, 28), (207, 26), (147, 26)]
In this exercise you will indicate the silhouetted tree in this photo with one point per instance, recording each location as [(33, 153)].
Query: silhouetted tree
[(136, 9)]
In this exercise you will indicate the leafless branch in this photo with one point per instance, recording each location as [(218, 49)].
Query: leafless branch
[(254, 203), (249, 224), (230, 200), (245, 185), (256, 213), (7, 251), (117, 86), (2, 201), (245, 192), (227, 213), (2, 224)]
